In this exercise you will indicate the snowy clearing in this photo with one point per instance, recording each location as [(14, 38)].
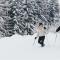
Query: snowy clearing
[(21, 48)]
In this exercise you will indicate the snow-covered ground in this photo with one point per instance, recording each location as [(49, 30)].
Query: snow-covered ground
[(22, 48)]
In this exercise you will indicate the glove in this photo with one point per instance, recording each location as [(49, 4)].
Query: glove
[(44, 27), (35, 37)]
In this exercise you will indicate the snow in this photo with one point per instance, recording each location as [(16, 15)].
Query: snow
[(59, 2), (22, 48)]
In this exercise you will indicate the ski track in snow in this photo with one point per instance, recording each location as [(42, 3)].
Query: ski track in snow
[(21, 48)]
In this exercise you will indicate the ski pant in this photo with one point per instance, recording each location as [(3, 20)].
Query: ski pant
[(41, 40)]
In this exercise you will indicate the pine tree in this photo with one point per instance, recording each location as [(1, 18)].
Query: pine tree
[(9, 22), (3, 14), (53, 11), (2, 30), (31, 12), (23, 15), (23, 18)]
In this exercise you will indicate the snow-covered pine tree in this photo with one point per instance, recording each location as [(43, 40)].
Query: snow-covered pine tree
[(2, 30), (3, 14), (47, 12), (8, 20), (28, 13), (23, 18), (25, 14), (53, 11)]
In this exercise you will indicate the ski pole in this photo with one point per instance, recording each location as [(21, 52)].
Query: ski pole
[(55, 38), (34, 42)]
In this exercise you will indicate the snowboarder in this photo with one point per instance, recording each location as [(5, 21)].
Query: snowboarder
[(41, 34)]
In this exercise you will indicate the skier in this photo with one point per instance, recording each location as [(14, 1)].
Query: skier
[(41, 34)]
